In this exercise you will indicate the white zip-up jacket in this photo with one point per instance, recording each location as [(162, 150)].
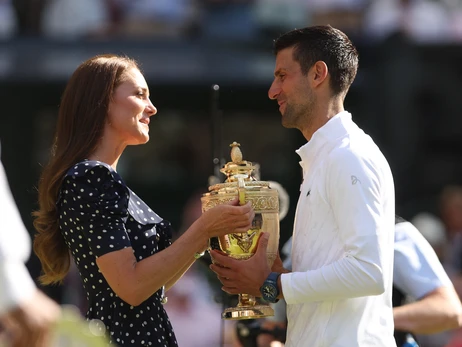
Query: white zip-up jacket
[(339, 293)]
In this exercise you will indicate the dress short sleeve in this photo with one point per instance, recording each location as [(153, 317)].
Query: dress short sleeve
[(94, 203)]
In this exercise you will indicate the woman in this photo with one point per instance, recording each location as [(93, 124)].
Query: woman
[(120, 246)]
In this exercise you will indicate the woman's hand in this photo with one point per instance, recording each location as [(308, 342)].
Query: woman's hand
[(227, 218)]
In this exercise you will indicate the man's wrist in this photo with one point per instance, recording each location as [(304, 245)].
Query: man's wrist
[(269, 290), (279, 284), (280, 269)]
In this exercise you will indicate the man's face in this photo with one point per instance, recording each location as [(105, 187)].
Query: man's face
[(292, 91)]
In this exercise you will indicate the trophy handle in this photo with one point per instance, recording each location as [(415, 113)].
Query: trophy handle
[(241, 188)]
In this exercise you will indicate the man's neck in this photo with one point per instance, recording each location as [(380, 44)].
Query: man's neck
[(321, 116)]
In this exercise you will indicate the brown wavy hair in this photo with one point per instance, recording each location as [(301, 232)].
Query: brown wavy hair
[(81, 120)]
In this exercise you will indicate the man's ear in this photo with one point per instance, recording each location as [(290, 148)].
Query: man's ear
[(319, 73)]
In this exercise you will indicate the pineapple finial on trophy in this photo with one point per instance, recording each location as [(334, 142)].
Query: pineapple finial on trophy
[(237, 167), (236, 153)]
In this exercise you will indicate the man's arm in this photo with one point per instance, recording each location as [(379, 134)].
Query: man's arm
[(438, 311), (419, 274)]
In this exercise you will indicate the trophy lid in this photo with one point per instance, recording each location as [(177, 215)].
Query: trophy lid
[(241, 182), (237, 167)]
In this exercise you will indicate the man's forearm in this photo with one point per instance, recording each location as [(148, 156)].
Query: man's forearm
[(345, 278), (438, 311)]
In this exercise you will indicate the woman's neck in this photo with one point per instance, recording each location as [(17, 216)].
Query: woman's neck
[(107, 155)]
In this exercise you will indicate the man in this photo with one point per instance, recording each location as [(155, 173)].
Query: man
[(26, 314), (339, 290)]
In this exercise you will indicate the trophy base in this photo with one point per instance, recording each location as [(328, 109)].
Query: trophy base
[(248, 312)]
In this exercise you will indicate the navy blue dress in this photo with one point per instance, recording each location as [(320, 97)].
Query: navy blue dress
[(99, 214)]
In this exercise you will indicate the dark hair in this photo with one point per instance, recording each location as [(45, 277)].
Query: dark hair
[(327, 44), (81, 120)]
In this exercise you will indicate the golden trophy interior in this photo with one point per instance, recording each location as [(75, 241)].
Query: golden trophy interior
[(265, 201)]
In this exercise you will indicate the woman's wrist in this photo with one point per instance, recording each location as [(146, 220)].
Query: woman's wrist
[(200, 253)]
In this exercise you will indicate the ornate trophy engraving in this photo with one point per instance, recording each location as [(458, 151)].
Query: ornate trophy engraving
[(265, 203)]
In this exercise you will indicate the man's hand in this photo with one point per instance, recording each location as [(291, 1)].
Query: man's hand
[(242, 276), (31, 323)]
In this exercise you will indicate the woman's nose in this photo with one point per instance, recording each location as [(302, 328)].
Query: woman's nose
[(152, 110)]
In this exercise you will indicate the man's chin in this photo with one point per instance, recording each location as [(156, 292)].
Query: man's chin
[(286, 123)]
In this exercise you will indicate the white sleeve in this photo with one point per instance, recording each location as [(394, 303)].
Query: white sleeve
[(417, 269), (361, 197), (16, 285), (286, 252)]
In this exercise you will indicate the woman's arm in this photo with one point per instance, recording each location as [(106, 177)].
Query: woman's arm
[(178, 275), (135, 282)]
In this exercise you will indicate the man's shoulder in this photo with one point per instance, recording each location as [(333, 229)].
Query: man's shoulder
[(347, 154)]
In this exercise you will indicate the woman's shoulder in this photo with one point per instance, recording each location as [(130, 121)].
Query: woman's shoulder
[(93, 181), (94, 171)]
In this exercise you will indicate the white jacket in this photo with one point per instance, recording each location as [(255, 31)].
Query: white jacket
[(339, 293)]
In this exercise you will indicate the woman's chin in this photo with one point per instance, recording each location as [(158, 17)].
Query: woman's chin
[(140, 140), (145, 140)]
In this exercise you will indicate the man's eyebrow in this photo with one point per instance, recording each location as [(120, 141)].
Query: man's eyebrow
[(278, 72)]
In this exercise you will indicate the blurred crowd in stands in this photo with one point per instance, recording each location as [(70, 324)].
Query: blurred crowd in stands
[(422, 20)]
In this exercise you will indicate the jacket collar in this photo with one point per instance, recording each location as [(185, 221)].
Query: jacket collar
[(335, 128)]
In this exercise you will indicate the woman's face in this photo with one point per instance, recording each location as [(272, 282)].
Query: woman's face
[(129, 110)]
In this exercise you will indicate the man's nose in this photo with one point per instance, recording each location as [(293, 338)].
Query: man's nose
[(274, 91)]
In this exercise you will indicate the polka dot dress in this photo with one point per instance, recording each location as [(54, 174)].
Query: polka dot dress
[(99, 214)]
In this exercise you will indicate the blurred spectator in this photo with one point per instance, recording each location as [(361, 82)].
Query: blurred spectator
[(195, 316), (432, 229), (71, 19), (7, 19), (420, 20), (451, 215), (277, 16), (450, 206), (346, 15), (29, 16), (228, 19), (455, 18), (154, 18)]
